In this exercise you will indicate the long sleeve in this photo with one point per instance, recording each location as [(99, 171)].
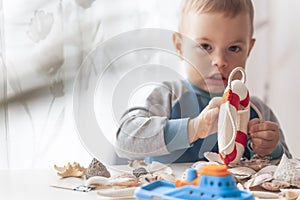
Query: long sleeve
[(148, 130)]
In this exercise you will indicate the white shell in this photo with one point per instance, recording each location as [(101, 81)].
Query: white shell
[(265, 195), (157, 166), (134, 164), (97, 181), (287, 171), (199, 165), (258, 180), (100, 181), (267, 170), (165, 176), (275, 185), (242, 172), (290, 194)]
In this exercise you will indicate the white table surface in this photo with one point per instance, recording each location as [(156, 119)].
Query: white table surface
[(35, 184)]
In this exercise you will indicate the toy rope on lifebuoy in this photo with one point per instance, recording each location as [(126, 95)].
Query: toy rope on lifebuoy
[(233, 119)]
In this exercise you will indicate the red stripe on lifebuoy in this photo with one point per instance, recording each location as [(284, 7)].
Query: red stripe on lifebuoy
[(233, 98), (245, 102), (241, 138), (230, 157)]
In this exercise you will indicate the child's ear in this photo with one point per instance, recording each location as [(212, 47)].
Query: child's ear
[(252, 42), (177, 41)]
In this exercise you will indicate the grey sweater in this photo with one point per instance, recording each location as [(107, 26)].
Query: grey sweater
[(157, 130)]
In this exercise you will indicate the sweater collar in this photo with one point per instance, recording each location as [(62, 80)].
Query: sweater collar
[(202, 92)]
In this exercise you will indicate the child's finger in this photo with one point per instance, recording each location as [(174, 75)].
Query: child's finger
[(215, 102), (212, 114), (266, 126), (252, 123)]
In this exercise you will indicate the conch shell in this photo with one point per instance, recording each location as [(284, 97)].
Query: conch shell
[(96, 168), (70, 170)]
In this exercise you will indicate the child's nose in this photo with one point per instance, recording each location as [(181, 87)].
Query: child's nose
[(219, 59)]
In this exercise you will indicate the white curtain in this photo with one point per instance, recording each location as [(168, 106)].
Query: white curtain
[(43, 43)]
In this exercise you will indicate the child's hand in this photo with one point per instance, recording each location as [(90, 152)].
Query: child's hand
[(264, 136), (206, 122)]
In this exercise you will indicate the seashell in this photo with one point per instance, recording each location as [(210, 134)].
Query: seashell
[(267, 170), (265, 195), (257, 163), (290, 194), (124, 175), (96, 168), (70, 170), (134, 164), (242, 172), (287, 171), (240, 186), (275, 185), (161, 175), (157, 166), (258, 180), (125, 182), (100, 181), (147, 178), (97, 181), (139, 171), (199, 165)]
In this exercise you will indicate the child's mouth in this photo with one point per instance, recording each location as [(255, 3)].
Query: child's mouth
[(218, 79)]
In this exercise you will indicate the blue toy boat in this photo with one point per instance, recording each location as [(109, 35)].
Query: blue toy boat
[(213, 182)]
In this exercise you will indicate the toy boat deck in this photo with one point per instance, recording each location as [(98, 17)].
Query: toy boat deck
[(156, 190), (215, 186)]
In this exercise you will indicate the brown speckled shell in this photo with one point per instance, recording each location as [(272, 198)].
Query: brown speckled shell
[(96, 168), (139, 171)]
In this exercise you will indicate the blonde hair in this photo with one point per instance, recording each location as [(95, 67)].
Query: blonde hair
[(230, 8)]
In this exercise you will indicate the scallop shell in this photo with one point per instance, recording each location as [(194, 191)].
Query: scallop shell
[(70, 170), (275, 185), (242, 172), (258, 180), (267, 170)]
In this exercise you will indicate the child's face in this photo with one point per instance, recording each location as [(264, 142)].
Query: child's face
[(228, 42)]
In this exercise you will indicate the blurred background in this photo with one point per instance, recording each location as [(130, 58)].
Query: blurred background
[(43, 43)]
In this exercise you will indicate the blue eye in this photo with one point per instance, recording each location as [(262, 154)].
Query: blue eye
[(206, 47), (235, 49)]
